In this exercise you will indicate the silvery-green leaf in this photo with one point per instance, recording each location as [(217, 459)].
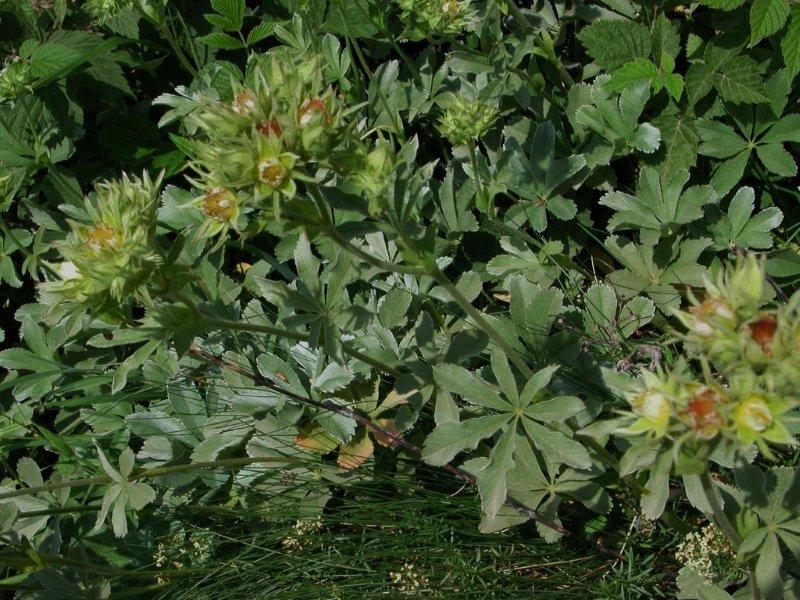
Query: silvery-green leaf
[(447, 440)]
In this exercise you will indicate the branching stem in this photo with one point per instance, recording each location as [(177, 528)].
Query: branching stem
[(398, 440)]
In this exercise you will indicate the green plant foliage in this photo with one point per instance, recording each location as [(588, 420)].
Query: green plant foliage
[(271, 269)]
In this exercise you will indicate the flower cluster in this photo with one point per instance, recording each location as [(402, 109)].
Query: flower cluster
[(109, 257), (180, 549), (710, 555), (435, 20), (303, 534), (16, 78), (102, 11), (281, 126), (756, 369), (409, 580), (742, 339), (466, 121)]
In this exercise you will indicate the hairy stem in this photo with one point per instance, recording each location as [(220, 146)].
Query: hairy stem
[(480, 190), (145, 474), (293, 335)]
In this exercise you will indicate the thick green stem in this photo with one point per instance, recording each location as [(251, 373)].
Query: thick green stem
[(480, 321), (159, 21), (330, 230), (480, 190), (62, 510), (518, 16), (253, 328)]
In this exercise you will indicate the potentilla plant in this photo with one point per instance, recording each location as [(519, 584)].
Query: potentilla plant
[(16, 77), (110, 254), (435, 20), (284, 127), (742, 402), (389, 251)]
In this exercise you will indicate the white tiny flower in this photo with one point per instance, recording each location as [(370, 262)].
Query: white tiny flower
[(67, 270), (702, 328)]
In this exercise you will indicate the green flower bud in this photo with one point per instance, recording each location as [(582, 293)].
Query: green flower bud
[(102, 11), (466, 121), (654, 409), (752, 415), (220, 207), (274, 169), (747, 280), (16, 78), (435, 20), (757, 419), (220, 204), (373, 176), (109, 259)]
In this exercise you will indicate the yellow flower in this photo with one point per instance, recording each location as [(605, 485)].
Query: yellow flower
[(220, 204), (756, 420), (272, 172), (752, 415), (102, 237), (654, 411)]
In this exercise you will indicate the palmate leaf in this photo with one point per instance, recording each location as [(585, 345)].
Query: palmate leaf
[(657, 270), (660, 207), (122, 494), (540, 488), (527, 419), (536, 176), (773, 496), (763, 132), (738, 227), (605, 319), (616, 118)]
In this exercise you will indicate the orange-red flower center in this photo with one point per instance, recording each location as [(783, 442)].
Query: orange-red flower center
[(310, 109), (762, 330), (271, 126), (703, 412)]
